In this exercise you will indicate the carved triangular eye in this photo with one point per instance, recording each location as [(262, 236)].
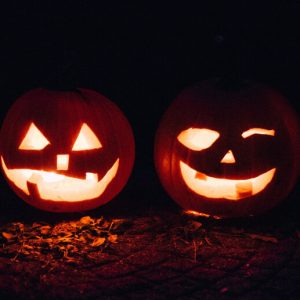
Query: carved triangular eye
[(34, 139), (86, 139)]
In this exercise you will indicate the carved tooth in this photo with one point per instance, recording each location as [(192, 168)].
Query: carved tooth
[(200, 176), (33, 191), (91, 176), (244, 188), (35, 178)]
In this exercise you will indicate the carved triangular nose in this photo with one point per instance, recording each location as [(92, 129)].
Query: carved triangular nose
[(228, 158)]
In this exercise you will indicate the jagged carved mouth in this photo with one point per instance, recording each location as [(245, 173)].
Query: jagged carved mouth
[(58, 187), (222, 188)]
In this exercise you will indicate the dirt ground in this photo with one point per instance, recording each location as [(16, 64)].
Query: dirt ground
[(152, 252)]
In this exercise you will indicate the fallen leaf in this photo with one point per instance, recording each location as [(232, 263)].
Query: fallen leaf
[(208, 241), (86, 220), (73, 224), (105, 224), (98, 241), (264, 238), (65, 240), (27, 247), (113, 238), (19, 225), (193, 226), (8, 236), (118, 222), (35, 224), (99, 220), (81, 239), (196, 225), (45, 229)]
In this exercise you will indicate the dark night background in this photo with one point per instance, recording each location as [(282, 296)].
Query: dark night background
[(141, 56)]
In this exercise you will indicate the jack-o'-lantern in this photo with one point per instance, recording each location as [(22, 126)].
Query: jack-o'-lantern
[(228, 151), (66, 151)]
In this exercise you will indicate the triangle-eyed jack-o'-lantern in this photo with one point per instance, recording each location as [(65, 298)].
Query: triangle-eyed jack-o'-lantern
[(66, 151), (228, 151)]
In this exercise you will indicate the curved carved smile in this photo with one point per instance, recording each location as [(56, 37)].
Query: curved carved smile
[(58, 187), (222, 188)]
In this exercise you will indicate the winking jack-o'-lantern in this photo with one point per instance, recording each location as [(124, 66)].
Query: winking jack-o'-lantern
[(228, 151), (66, 151)]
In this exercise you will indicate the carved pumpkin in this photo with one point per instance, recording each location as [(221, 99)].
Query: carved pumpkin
[(66, 151), (228, 152)]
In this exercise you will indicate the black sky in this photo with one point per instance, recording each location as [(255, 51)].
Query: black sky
[(141, 56)]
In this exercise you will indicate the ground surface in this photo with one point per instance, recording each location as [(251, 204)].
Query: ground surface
[(155, 254)]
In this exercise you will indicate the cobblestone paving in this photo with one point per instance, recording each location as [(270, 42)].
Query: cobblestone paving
[(172, 256)]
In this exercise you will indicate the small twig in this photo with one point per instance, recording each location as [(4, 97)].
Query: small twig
[(195, 250), (18, 252)]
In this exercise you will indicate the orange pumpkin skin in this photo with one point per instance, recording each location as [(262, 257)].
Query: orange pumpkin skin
[(63, 120), (254, 131)]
